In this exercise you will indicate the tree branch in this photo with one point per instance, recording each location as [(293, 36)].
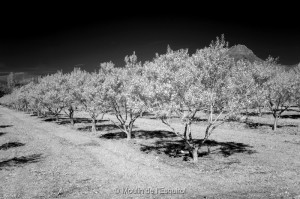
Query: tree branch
[(117, 125)]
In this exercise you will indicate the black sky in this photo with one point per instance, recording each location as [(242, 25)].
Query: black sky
[(48, 40)]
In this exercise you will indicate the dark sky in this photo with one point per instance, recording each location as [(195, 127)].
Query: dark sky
[(47, 40)]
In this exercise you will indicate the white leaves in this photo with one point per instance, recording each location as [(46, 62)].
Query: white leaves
[(171, 82)]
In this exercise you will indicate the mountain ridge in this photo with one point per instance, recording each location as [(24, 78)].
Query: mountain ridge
[(238, 52)]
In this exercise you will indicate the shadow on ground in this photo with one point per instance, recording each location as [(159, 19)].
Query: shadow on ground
[(2, 133), (20, 161), (102, 127), (290, 116), (177, 148), (10, 145), (198, 119), (148, 115), (141, 134), (256, 114), (5, 126), (255, 125), (64, 120)]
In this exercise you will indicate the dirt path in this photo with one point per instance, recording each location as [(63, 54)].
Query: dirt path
[(60, 162), (46, 160)]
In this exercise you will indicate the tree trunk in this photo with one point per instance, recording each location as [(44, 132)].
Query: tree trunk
[(259, 111), (190, 131), (208, 149), (185, 131), (210, 118), (207, 130), (56, 118), (128, 135), (207, 134), (71, 115), (93, 124), (275, 123), (129, 132), (72, 121), (247, 115), (195, 154)]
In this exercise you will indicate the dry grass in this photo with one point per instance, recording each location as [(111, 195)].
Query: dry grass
[(247, 160)]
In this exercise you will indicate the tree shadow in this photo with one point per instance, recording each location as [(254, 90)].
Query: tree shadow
[(253, 114), (39, 116), (114, 136), (20, 161), (294, 108), (140, 134), (51, 118), (198, 119), (64, 120), (5, 126), (255, 125), (145, 134), (148, 114), (177, 148), (2, 133), (290, 116), (10, 145), (83, 120), (155, 117), (102, 127)]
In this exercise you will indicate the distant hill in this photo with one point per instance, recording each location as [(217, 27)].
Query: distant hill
[(239, 52)]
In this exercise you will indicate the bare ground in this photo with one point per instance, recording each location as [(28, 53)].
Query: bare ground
[(41, 159)]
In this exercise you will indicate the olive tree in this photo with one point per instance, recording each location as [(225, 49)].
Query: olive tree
[(260, 76), (125, 92), (73, 91), (170, 79), (53, 88), (215, 65), (296, 90), (280, 92), (35, 97), (92, 98), (181, 85)]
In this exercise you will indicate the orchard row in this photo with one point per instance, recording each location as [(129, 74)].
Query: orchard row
[(172, 84)]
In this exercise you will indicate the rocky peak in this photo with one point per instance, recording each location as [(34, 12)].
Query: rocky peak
[(239, 52)]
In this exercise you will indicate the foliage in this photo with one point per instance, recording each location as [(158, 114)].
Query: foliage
[(125, 92), (280, 93), (93, 96), (180, 85), (73, 91), (53, 89), (4, 90), (174, 84)]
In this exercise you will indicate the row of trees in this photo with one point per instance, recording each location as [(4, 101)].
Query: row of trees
[(174, 84)]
